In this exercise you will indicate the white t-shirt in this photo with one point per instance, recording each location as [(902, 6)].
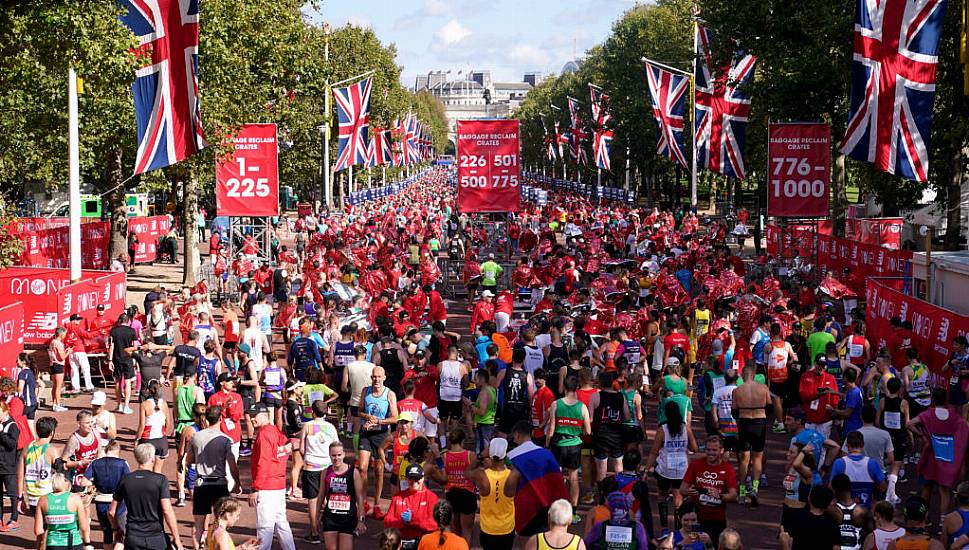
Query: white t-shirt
[(254, 338), (450, 380), (264, 316)]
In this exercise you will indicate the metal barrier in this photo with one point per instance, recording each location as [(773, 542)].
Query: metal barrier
[(452, 277)]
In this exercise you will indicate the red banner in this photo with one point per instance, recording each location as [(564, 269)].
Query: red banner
[(837, 255), (933, 326), (51, 247), (147, 231), (886, 232), (40, 291), (85, 296), (11, 335), (247, 182), (488, 166), (800, 169)]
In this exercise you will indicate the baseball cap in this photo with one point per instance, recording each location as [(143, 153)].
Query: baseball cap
[(406, 416), (244, 348), (962, 491), (100, 307), (672, 361), (99, 398), (226, 377), (498, 448), (414, 471), (487, 294), (717, 347), (258, 408)]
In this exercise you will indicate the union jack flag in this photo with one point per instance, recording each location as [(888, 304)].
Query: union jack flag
[(576, 138), (667, 91), (721, 109), (601, 146), (561, 139), (353, 114), (400, 143), (893, 85), (575, 113), (413, 154), (166, 88), (378, 148), (550, 141), (600, 106)]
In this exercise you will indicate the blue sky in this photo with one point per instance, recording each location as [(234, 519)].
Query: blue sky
[(509, 37)]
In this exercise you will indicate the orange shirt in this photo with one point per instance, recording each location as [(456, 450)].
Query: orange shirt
[(431, 541)]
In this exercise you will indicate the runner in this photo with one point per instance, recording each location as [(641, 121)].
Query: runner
[(377, 411), (569, 420), (343, 501)]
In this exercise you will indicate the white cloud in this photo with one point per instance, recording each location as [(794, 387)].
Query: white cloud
[(526, 54), (436, 8), (452, 33)]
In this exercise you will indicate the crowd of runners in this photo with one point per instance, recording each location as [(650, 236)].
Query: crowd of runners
[(621, 377)]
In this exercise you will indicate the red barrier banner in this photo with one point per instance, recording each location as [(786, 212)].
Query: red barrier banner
[(861, 260), (934, 327), (488, 167), (247, 181), (11, 335), (885, 232), (39, 290), (85, 296), (23, 225), (799, 157), (147, 231), (51, 247)]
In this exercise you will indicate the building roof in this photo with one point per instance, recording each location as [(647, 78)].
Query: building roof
[(513, 85)]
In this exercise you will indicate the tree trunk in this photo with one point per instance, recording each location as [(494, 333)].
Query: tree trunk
[(118, 211), (190, 207), (839, 198), (713, 193), (953, 200)]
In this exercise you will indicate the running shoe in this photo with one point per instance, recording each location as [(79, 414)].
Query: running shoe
[(779, 428), (754, 502), (312, 539), (589, 499), (245, 451), (58, 409), (127, 410), (180, 502), (763, 480), (9, 526)]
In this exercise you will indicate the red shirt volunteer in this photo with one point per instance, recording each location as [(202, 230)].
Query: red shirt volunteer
[(231, 403), (814, 402), (269, 458)]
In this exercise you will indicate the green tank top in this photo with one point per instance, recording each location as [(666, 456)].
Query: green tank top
[(61, 522), (674, 386), (630, 396), (488, 418), (568, 423), (184, 401)]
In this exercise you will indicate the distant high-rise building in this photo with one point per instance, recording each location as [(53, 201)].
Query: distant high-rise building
[(532, 78), (481, 77)]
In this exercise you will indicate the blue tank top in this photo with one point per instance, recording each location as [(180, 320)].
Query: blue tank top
[(962, 530), (834, 368), (275, 378), (343, 354), (378, 406), (206, 375)]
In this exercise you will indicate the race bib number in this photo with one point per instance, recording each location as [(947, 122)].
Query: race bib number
[(677, 465), (229, 424), (893, 420), (338, 503), (815, 404), (618, 534), (718, 383), (316, 396), (710, 500), (272, 378)]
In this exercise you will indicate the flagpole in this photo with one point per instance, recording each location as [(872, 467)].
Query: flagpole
[(327, 188), (369, 180), (693, 199), (74, 176)]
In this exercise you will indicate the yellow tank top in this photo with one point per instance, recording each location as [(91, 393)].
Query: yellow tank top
[(701, 322), (497, 510), (572, 545), (210, 543)]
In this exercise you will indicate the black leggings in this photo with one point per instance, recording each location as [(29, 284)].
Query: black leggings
[(497, 542), (8, 487)]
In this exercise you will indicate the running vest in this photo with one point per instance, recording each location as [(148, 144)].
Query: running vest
[(184, 402), (558, 357), (85, 451), (702, 322), (62, 530), (155, 423), (274, 379), (777, 359), (610, 350), (449, 381), (850, 534), (454, 465), (617, 537), (317, 451), (343, 354), (632, 351), (514, 389), (758, 350), (572, 545), (834, 368), (497, 510), (892, 415), (377, 405), (672, 462), (630, 397), (855, 350), (568, 423), (37, 472), (862, 485), (341, 494), (609, 412), (918, 388), (921, 544), (206, 374), (534, 359)]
